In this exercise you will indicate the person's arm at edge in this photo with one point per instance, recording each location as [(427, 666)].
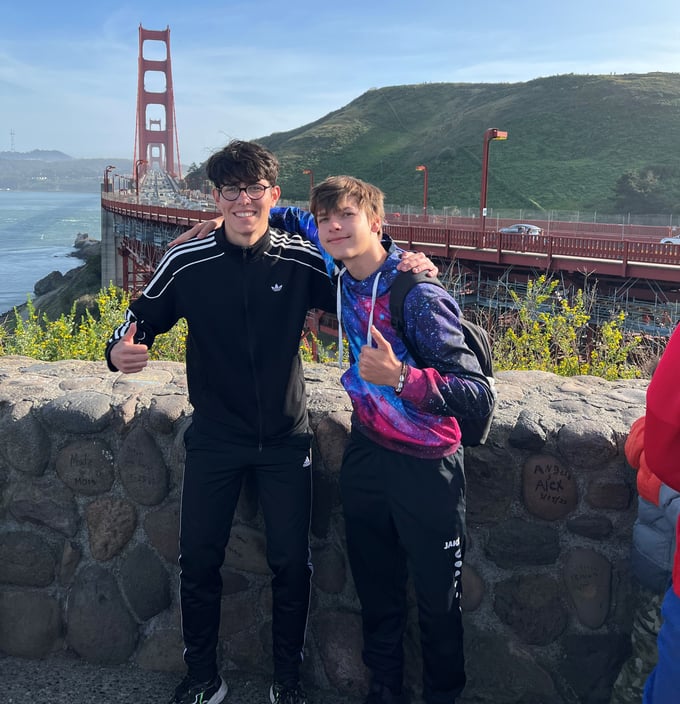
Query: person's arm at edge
[(662, 423)]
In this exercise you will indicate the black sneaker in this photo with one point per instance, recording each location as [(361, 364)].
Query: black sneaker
[(382, 694), (190, 691), (279, 694)]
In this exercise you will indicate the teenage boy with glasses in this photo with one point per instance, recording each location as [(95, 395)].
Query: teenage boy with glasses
[(244, 291)]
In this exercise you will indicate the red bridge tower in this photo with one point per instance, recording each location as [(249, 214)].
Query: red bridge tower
[(156, 144)]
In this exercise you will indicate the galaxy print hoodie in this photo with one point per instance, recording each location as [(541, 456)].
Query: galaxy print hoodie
[(420, 420)]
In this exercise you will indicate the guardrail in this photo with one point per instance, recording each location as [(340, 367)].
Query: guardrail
[(595, 253)]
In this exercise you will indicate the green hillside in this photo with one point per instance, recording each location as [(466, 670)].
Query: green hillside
[(570, 139)]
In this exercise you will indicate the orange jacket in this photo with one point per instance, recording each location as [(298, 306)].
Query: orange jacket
[(648, 484)]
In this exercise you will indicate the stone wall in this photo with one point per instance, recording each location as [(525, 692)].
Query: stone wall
[(90, 470)]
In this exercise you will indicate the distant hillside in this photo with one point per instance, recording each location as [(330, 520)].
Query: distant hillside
[(571, 138), (42, 170), (40, 154), (575, 142)]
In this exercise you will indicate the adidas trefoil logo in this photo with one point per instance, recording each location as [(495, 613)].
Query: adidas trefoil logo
[(307, 462), (277, 287)]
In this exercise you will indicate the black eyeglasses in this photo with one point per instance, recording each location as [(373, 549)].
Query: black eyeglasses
[(254, 191)]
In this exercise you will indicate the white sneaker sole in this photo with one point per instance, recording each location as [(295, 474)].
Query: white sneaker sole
[(219, 695)]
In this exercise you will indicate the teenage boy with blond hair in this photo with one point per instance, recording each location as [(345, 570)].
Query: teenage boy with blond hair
[(402, 479)]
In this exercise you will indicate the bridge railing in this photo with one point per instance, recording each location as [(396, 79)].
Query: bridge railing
[(450, 240), (601, 253)]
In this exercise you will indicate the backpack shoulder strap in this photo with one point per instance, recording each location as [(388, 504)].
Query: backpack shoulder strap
[(402, 284), (477, 339)]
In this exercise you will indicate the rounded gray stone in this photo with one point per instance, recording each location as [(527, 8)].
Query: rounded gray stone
[(142, 468), (532, 606), (86, 466), (26, 560), (548, 487), (164, 411), (588, 577), (99, 626), (338, 636), (527, 433), (162, 528), (490, 487), (30, 623), (594, 526), (111, 523), (46, 502), (78, 412), (587, 443), (330, 569), (24, 441), (515, 543), (145, 582)]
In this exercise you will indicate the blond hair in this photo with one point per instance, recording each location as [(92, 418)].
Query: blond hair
[(331, 192)]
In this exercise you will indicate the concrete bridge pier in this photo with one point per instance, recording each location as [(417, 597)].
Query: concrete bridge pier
[(112, 265)]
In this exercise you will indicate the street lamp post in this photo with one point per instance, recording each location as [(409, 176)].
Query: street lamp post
[(138, 163), (310, 173), (423, 168), (107, 171), (490, 134)]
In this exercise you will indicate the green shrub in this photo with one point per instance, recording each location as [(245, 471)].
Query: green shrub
[(549, 333), (543, 332), (82, 336)]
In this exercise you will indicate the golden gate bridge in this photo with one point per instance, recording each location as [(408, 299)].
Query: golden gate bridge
[(632, 269)]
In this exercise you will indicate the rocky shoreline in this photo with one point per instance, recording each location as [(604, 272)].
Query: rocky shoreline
[(55, 293)]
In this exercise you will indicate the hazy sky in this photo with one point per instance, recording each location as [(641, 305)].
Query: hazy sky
[(68, 70)]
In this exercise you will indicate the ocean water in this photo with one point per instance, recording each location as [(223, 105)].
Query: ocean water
[(37, 232)]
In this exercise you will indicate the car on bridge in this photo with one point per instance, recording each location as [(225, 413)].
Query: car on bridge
[(671, 240), (522, 229)]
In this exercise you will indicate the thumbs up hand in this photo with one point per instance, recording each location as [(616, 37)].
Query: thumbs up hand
[(130, 334), (379, 365), (127, 355)]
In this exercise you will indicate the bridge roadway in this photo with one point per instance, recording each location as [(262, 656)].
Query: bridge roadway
[(634, 261)]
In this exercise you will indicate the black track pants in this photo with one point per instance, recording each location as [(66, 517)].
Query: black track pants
[(401, 509), (213, 477)]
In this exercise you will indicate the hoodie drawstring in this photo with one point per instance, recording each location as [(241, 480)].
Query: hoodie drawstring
[(374, 295), (338, 306)]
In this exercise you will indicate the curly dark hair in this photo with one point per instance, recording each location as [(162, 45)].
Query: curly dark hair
[(242, 162)]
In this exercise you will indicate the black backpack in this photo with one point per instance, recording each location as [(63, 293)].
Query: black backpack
[(474, 430)]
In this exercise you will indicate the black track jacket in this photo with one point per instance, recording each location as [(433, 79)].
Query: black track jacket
[(245, 309)]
